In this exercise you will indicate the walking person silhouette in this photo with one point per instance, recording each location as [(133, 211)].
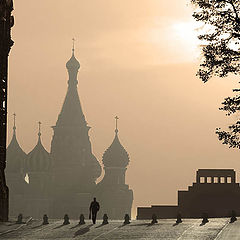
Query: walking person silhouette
[(94, 208)]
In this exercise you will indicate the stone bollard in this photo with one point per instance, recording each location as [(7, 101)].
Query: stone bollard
[(66, 220), (179, 218), (126, 219), (154, 219), (205, 218), (81, 219), (233, 217), (45, 219), (105, 219), (19, 219)]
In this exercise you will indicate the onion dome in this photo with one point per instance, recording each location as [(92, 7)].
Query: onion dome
[(38, 160), (15, 154), (73, 63), (116, 155)]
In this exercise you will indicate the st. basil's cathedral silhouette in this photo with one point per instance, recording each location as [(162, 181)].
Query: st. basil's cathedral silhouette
[(64, 180)]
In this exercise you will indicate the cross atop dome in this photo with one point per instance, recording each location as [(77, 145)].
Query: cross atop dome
[(14, 123), (15, 154), (38, 160), (39, 128), (73, 64), (116, 155), (73, 45), (116, 129), (112, 190)]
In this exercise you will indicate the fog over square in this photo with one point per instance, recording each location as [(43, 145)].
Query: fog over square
[(139, 62)]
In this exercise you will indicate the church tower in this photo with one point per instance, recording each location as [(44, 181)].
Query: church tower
[(15, 174), (75, 168), (113, 193), (38, 168)]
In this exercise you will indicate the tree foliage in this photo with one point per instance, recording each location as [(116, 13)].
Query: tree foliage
[(221, 53)]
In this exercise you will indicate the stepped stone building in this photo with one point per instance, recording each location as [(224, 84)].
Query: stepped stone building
[(64, 180), (215, 193)]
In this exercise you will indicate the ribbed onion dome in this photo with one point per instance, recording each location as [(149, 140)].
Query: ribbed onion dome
[(73, 63), (15, 156), (38, 160), (116, 155)]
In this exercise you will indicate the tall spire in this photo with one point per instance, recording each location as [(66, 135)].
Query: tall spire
[(71, 149), (73, 66), (71, 113)]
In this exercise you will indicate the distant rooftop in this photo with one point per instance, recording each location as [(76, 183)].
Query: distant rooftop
[(215, 172), (210, 175)]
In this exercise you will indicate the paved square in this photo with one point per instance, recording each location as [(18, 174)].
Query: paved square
[(166, 229)]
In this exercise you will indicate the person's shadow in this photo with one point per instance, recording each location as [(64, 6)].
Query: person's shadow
[(124, 225), (203, 223), (78, 225), (82, 230), (62, 225), (139, 225), (101, 225), (151, 224), (38, 226)]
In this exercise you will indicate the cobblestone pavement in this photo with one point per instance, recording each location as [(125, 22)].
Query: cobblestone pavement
[(166, 229)]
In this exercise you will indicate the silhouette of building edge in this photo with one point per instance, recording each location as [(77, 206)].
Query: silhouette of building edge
[(64, 180), (215, 193), (6, 23)]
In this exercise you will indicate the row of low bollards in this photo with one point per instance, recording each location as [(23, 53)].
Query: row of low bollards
[(66, 219), (204, 218), (82, 219), (154, 219)]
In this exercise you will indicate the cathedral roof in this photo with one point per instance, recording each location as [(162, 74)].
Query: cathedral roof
[(71, 136), (116, 155), (38, 160), (71, 114), (15, 154), (73, 63)]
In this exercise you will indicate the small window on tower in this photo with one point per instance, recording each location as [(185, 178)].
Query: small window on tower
[(215, 179)]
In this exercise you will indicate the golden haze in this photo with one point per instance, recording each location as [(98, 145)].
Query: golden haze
[(138, 60)]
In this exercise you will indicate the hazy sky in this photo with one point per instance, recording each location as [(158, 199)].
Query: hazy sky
[(138, 61)]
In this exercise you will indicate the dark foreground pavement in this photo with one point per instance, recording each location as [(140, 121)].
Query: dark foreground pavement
[(190, 229)]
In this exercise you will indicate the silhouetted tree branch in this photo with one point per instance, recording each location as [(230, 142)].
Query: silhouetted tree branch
[(221, 53)]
